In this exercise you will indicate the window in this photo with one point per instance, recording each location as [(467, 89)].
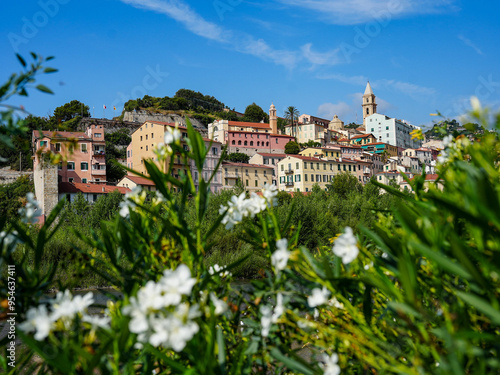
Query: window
[(312, 177), (94, 197), (152, 135), (71, 165), (43, 143), (84, 180), (372, 128), (141, 137), (256, 183), (282, 167), (386, 128), (99, 135), (59, 166), (245, 143), (128, 153), (251, 143), (58, 147), (297, 165), (305, 165), (312, 165), (324, 167), (265, 175), (256, 174), (305, 177), (215, 151), (84, 166), (246, 182), (344, 167), (146, 137), (71, 179), (83, 147), (146, 148)]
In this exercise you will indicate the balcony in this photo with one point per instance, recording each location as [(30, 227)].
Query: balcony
[(231, 175), (98, 172), (98, 153), (366, 171), (289, 183), (288, 171)]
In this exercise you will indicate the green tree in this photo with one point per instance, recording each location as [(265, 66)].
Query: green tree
[(12, 196), (254, 113), (292, 114), (292, 147), (344, 184), (70, 114), (237, 157)]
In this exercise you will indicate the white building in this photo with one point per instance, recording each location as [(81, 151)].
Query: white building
[(392, 131)]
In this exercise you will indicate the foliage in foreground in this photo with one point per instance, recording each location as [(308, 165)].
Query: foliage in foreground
[(416, 294)]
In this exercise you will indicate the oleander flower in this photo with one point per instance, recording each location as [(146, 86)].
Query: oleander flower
[(318, 297), (346, 246), (31, 210), (279, 258), (131, 200), (330, 366), (220, 305), (271, 316), (97, 322), (39, 321), (219, 270), (65, 306), (270, 193)]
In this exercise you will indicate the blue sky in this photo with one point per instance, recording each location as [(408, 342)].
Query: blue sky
[(420, 56)]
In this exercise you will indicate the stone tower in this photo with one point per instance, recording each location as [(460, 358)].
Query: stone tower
[(369, 105), (273, 119)]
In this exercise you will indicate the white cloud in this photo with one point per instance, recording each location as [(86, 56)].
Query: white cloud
[(469, 43), (352, 12), (321, 58), (241, 42), (182, 13), (341, 109)]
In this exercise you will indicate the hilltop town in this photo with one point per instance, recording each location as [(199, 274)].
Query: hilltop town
[(295, 156)]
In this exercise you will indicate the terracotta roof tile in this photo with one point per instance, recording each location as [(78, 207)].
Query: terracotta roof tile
[(76, 187)]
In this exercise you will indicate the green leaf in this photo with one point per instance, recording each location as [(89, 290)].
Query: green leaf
[(480, 304), (221, 351), (50, 70), (21, 60), (43, 88), (292, 363)]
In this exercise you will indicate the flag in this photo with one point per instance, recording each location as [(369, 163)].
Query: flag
[(114, 108), (104, 106)]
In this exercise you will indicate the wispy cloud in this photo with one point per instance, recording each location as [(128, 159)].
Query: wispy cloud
[(469, 43), (182, 13), (341, 109), (241, 42), (332, 57), (407, 88), (352, 12)]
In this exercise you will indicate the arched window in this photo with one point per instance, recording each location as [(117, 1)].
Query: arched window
[(258, 143), (251, 143), (216, 129), (367, 111), (267, 144), (239, 143), (246, 143), (234, 142)]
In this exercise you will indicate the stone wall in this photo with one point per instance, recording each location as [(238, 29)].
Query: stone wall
[(8, 176), (110, 126), (141, 116), (45, 178)]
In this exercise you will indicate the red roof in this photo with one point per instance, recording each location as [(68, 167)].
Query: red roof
[(60, 134), (343, 140), (246, 165), (429, 177), (363, 136), (140, 180), (249, 124), (308, 158), (77, 187), (273, 155), (210, 140)]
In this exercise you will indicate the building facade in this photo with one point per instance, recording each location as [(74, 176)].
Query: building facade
[(392, 131), (252, 177), (83, 154)]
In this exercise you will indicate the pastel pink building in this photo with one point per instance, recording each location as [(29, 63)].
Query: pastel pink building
[(251, 143), (82, 153)]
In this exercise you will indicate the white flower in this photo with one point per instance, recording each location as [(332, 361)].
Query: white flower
[(174, 284), (279, 309), (345, 246), (97, 322), (8, 239), (220, 305), (38, 319), (330, 366), (279, 259), (447, 140), (220, 270), (318, 297), (442, 157), (335, 303), (131, 199), (255, 204), (270, 193), (368, 266), (236, 211), (266, 319), (30, 210), (172, 135), (475, 103), (65, 306)]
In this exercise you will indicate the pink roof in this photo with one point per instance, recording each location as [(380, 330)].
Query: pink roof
[(246, 165), (140, 180), (78, 187), (249, 124)]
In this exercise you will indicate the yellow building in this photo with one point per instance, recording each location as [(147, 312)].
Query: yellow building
[(330, 153), (253, 177)]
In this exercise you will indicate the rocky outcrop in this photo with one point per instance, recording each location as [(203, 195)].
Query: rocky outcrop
[(141, 116)]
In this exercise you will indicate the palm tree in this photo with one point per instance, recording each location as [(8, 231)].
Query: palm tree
[(291, 114)]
